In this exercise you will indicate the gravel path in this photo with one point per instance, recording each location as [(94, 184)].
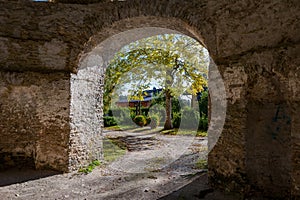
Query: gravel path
[(156, 152), (154, 167)]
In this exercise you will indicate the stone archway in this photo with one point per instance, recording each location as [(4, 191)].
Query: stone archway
[(254, 44), (87, 84)]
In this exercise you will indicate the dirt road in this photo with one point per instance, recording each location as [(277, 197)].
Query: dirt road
[(155, 166)]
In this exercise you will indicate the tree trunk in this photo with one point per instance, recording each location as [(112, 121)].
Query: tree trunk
[(168, 122)]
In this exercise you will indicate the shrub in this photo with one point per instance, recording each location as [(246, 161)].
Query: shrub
[(176, 119), (154, 121), (109, 121), (175, 105), (140, 120), (158, 110), (122, 115), (189, 119), (203, 103), (132, 115), (108, 113), (203, 124), (148, 120), (144, 111)]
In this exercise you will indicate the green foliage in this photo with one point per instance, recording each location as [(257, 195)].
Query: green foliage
[(113, 149), (148, 120), (154, 121), (140, 120), (159, 110), (108, 113), (203, 124), (144, 111), (161, 101), (175, 105), (202, 164), (203, 103), (123, 116), (189, 118), (109, 121), (177, 131), (170, 132), (121, 127), (90, 167), (172, 60), (176, 119), (201, 133), (96, 163)]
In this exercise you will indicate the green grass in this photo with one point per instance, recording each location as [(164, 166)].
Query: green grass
[(176, 131), (112, 150), (136, 129), (119, 128), (201, 134), (146, 130), (201, 164), (90, 167)]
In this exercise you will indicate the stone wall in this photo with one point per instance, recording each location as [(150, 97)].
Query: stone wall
[(270, 118), (256, 55), (34, 119), (291, 78), (254, 44), (86, 114)]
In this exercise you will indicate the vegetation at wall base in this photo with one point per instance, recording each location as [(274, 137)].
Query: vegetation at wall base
[(177, 131), (90, 167), (201, 164)]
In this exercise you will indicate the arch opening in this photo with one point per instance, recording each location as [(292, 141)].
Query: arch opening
[(88, 84), (41, 46)]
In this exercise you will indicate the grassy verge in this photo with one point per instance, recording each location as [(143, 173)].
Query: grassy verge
[(119, 128), (137, 129), (176, 131), (112, 151)]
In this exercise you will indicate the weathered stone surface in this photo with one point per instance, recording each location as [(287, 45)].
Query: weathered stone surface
[(85, 115), (71, 26), (254, 44), (35, 117)]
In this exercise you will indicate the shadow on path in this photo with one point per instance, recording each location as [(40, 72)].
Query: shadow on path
[(199, 189), (20, 175)]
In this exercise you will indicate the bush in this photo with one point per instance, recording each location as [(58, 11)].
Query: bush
[(140, 120), (176, 119), (189, 119), (154, 121), (203, 103), (175, 105), (203, 124), (148, 120), (122, 115), (158, 110), (109, 121), (144, 111)]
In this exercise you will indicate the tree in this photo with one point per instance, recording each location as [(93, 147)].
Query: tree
[(178, 63), (203, 104), (138, 95)]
